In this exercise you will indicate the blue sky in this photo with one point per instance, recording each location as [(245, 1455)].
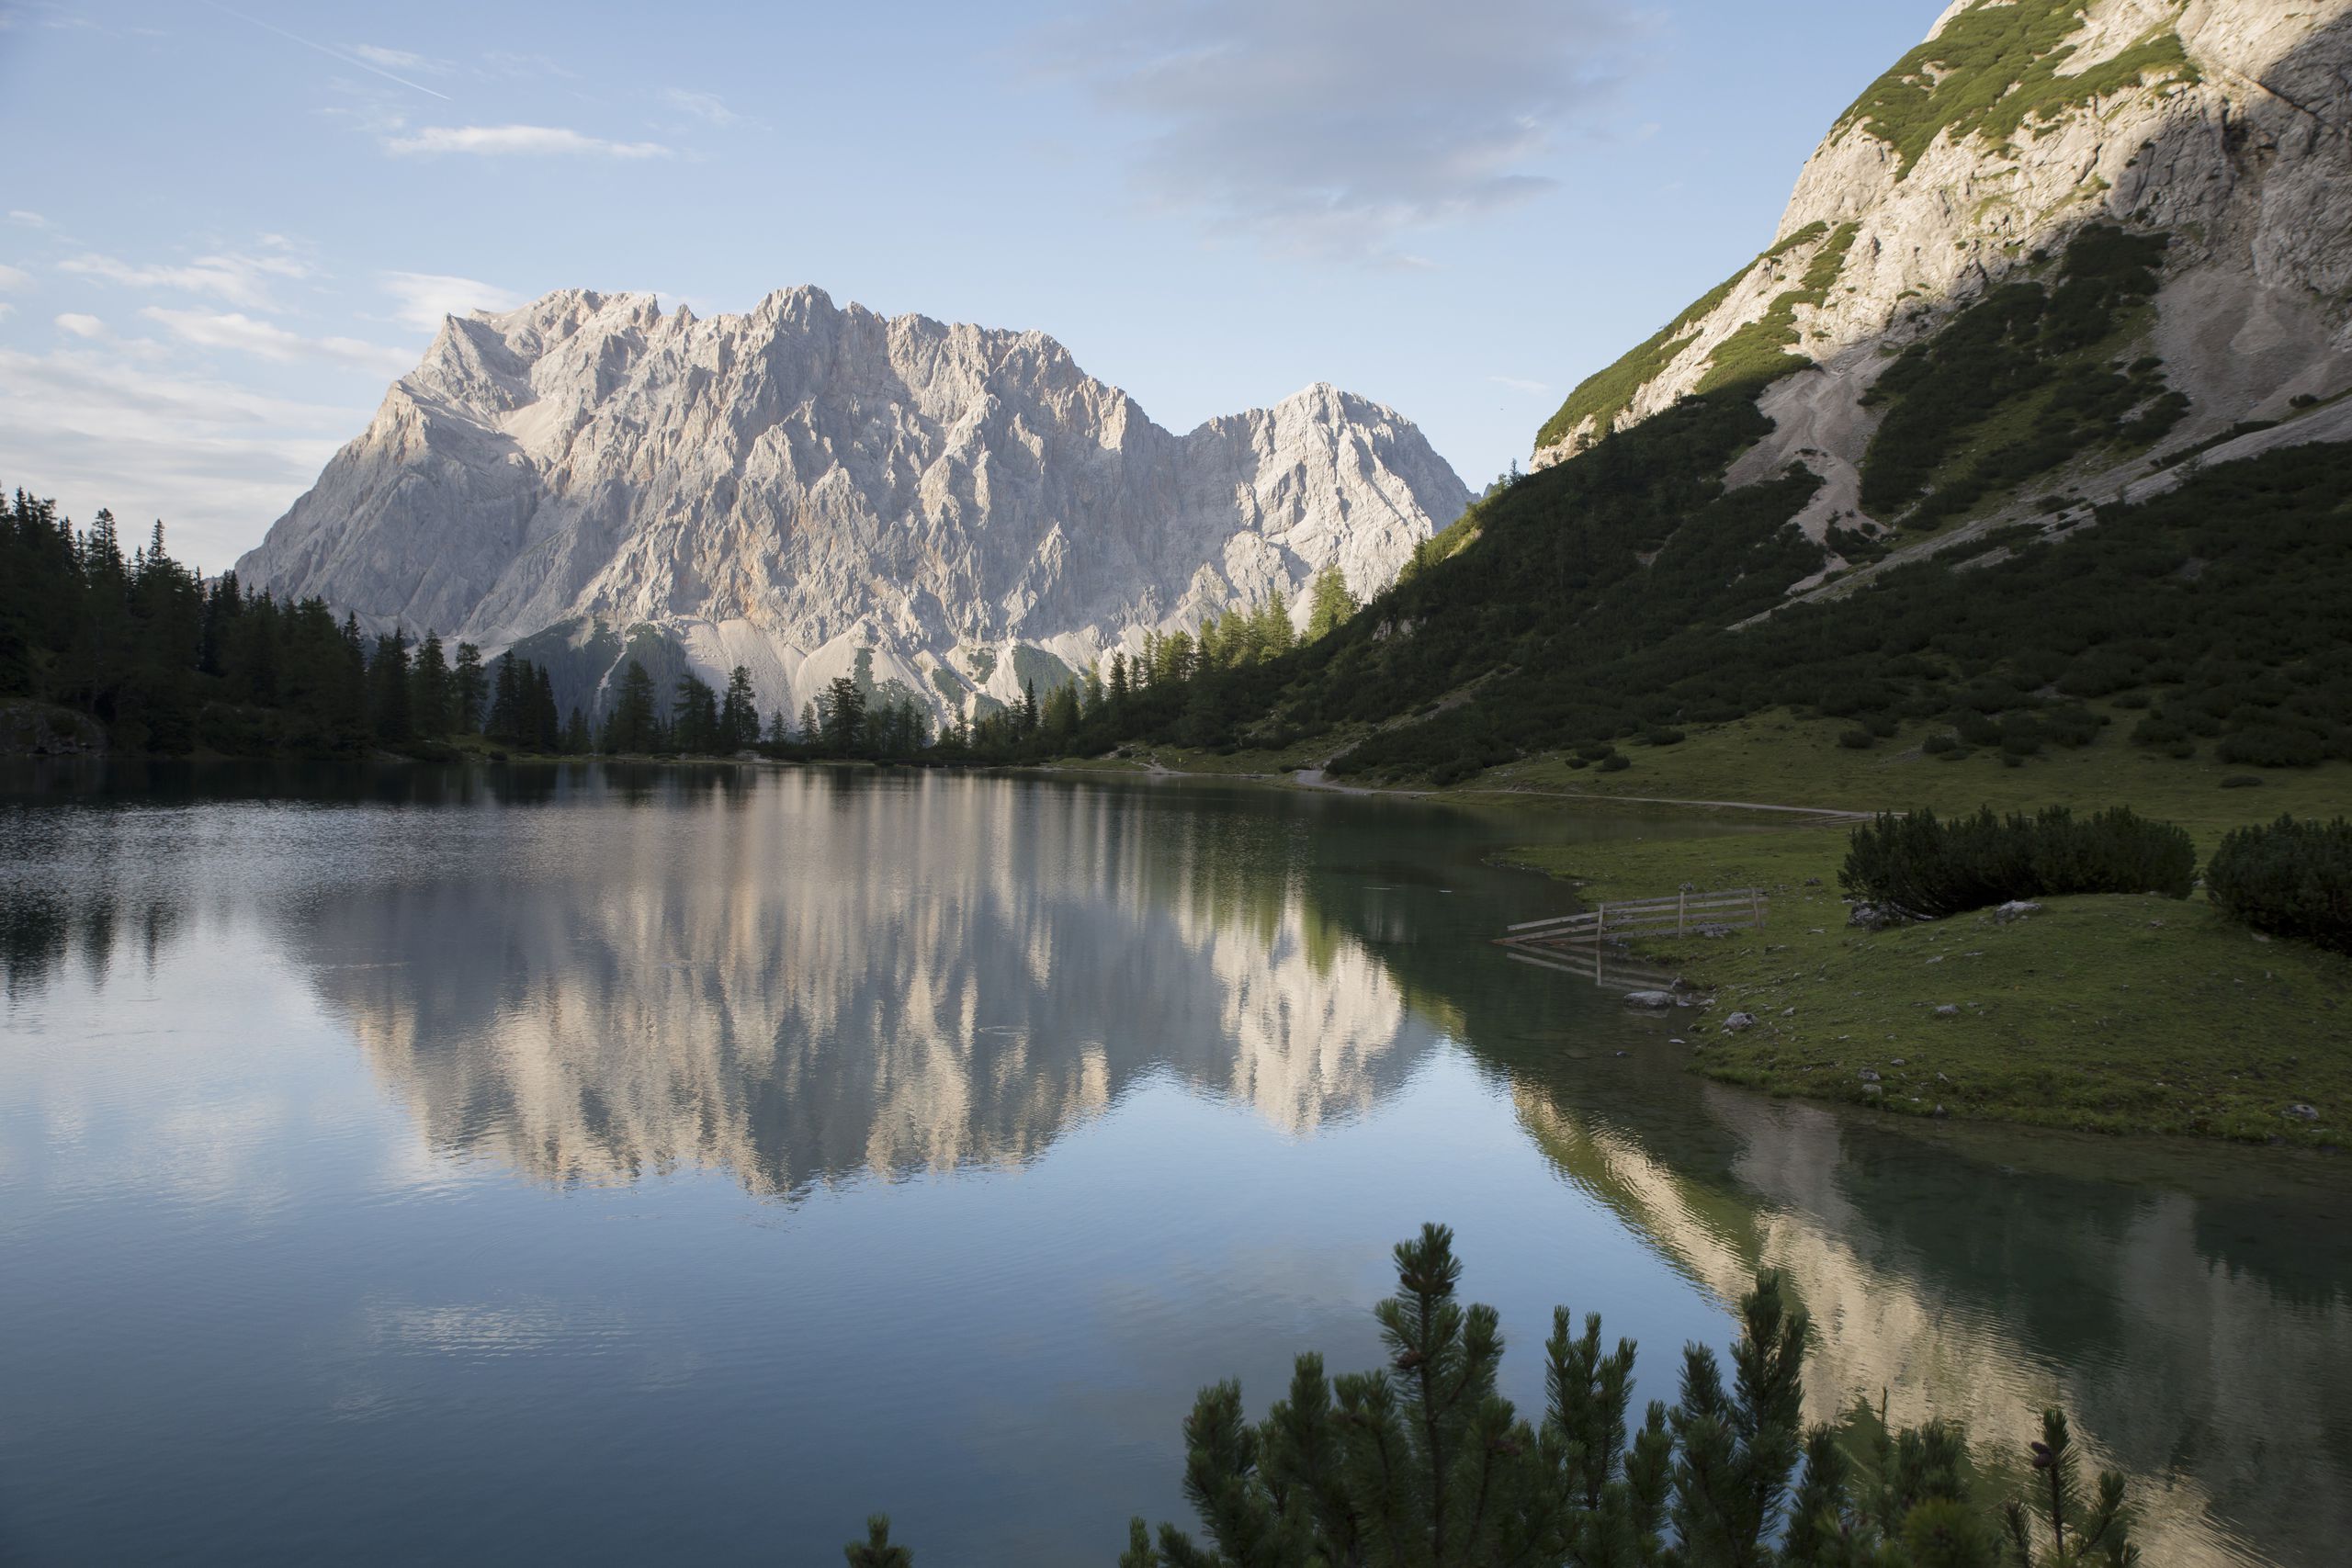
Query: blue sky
[(227, 227)]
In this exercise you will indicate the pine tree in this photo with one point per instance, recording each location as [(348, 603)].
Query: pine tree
[(577, 741), (1277, 635), (876, 1551), (739, 714), (695, 716), (1422, 1460), (1332, 603), (504, 721), (843, 718), (430, 689), (632, 726), (388, 690), (469, 688), (545, 724)]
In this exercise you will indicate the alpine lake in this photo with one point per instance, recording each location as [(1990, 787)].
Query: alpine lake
[(609, 1164)]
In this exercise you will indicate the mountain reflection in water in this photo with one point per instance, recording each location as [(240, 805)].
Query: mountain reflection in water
[(588, 975), (884, 979)]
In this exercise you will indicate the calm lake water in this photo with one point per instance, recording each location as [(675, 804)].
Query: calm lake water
[(616, 1166)]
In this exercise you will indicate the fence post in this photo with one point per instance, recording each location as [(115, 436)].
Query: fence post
[(1756, 906), (1681, 910)]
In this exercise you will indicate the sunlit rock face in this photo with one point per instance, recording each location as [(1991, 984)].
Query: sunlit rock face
[(797, 1000), (2205, 1363), (2234, 140), (811, 490)]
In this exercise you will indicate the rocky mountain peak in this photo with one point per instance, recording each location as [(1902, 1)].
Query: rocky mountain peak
[(943, 511), (2218, 123)]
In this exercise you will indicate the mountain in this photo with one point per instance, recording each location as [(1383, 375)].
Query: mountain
[(2040, 395), (2219, 123), (809, 490)]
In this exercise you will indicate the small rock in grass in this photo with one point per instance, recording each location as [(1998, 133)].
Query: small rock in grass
[(2015, 909), (1788, 1012), (1874, 917), (1948, 1010), (1813, 882), (1897, 1062), (1868, 1075), (1738, 1021), (1938, 1110), (2302, 1112), (1625, 1053), (1673, 1041), (1655, 1001)]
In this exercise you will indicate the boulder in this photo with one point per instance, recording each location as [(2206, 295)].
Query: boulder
[(1653, 1002), (2014, 910), (1738, 1021)]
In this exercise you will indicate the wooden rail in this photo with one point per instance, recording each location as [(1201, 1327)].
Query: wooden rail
[(1738, 908)]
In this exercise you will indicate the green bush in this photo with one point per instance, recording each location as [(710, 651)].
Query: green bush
[(1857, 740), (2271, 746), (2291, 879), (1422, 1460), (1928, 867)]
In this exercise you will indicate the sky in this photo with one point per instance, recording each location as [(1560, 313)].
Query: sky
[(229, 227)]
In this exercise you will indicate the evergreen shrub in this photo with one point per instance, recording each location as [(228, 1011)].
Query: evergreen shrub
[(1932, 868), (2291, 879)]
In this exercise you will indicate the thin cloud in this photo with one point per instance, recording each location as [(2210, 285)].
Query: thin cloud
[(396, 59), (23, 219), (1521, 384), (14, 277), (80, 325), (518, 141), (96, 428), (425, 298), (707, 108), (237, 279), (269, 341), (1332, 128), (348, 57)]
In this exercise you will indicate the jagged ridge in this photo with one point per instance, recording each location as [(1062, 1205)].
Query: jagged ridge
[(811, 490)]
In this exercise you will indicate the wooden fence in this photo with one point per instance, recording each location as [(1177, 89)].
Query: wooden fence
[(1676, 914)]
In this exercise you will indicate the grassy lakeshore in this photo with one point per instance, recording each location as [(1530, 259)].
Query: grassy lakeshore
[(2111, 1014)]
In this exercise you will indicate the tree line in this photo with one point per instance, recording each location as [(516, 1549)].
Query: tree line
[(172, 662)]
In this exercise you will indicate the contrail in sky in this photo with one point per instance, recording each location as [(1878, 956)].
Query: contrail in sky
[(330, 52)]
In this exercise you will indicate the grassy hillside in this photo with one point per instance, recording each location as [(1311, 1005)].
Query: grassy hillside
[(1590, 617), (2114, 1014), (1997, 69)]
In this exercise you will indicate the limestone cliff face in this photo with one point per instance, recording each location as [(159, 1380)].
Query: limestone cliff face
[(809, 490), (2225, 123)]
